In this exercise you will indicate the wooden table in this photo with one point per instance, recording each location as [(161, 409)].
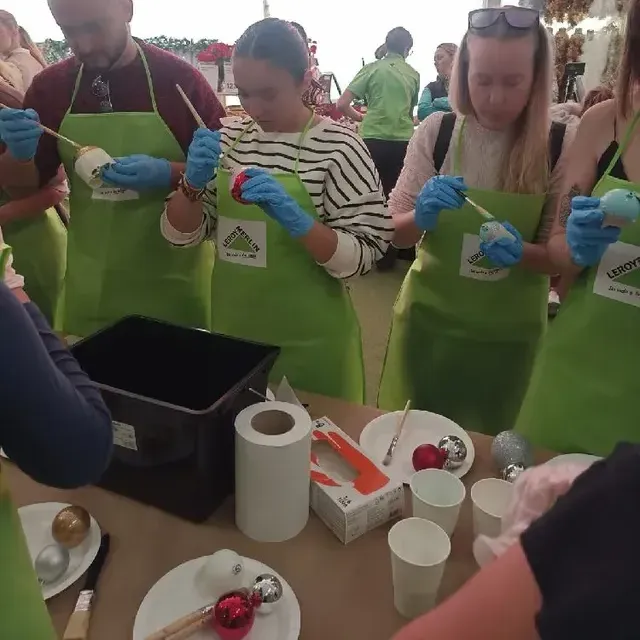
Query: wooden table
[(328, 577)]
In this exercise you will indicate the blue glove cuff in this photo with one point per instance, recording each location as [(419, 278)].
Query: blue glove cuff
[(302, 224)]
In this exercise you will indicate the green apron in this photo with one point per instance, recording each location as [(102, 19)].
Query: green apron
[(267, 288), (464, 333), (23, 614), (118, 263), (39, 255), (585, 386)]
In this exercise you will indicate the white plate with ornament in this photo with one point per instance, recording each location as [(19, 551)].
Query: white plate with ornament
[(36, 520), (421, 427), (583, 459), (176, 594)]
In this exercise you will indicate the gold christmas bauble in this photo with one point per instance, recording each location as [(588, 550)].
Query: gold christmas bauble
[(71, 526)]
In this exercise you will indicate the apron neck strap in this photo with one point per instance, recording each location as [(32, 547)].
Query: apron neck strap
[(622, 147), (457, 158), (303, 135), (152, 93)]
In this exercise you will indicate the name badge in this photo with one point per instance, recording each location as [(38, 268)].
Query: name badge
[(114, 194), (618, 275), (475, 265), (242, 242)]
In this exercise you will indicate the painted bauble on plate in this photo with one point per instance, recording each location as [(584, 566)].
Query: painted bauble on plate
[(427, 456), (222, 572), (71, 526), (454, 450)]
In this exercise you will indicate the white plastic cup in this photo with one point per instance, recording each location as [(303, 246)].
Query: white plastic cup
[(437, 495), (419, 551), (490, 498)]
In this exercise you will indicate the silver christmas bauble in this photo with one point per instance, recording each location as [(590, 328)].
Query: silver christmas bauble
[(510, 447), (512, 472), (268, 588), (455, 452), (51, 563)]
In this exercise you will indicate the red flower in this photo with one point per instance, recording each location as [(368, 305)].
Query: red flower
[(216, 51)]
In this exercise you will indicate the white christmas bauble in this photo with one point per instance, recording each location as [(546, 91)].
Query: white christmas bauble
[(222, 572)]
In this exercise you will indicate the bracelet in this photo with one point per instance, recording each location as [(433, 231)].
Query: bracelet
[(190, 192)]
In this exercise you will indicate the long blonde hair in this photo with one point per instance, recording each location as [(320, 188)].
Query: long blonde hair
[(525, 168), (23, 38)]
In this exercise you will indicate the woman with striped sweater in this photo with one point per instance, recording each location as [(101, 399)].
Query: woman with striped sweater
[(312, 214)]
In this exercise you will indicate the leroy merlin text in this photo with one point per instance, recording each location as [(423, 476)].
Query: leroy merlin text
[(240, 232), (623, 268)]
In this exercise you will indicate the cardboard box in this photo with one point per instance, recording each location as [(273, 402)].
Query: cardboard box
[(350, 493)]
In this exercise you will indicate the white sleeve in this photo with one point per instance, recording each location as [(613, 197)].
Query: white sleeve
[(355, 208), (12, 279), (203, 232)]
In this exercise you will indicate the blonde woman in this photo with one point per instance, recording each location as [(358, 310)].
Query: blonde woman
[(468, 320), (18, 49), (435, 95)]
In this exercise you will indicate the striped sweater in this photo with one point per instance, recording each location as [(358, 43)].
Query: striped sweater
[(339, 175)]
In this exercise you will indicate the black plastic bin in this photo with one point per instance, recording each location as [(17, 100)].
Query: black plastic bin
[(174, 394)]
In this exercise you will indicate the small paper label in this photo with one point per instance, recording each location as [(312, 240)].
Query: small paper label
[(114, 194), (124, 435)]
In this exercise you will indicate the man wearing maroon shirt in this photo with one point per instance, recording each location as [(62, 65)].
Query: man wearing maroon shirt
[(119, 94)]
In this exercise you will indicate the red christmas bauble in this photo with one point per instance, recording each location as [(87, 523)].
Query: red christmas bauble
[(428, 456), (237, 180), (234, 615)]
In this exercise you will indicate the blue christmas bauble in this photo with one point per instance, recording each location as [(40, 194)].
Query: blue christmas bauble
[(621, 203)]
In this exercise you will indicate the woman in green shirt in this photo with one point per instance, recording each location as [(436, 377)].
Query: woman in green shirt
[(390, 87)]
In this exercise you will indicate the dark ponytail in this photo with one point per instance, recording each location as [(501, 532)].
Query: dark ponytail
[(277, 42)]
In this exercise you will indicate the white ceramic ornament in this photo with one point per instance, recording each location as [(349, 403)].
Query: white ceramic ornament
[(491, 231), (222, 572), (89, 164)]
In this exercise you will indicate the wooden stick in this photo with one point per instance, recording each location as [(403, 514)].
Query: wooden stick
[(392, 447), (195, 619), (191, 108), (482, 211), (51, 132)]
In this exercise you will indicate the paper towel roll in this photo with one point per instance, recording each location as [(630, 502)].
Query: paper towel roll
[(273, 450)]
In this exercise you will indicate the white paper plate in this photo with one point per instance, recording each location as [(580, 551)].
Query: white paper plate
[(575, 458), (421, 427), (3, 454), (176, 594), (36, 522)]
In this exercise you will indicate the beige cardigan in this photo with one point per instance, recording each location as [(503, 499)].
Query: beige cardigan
[(26, 64)]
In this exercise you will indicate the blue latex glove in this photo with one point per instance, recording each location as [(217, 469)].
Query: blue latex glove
[(203, 158), (586, 237), (442, 104), (139, 172), (504, 252), (265, 191), (19, 130), (440, 192)]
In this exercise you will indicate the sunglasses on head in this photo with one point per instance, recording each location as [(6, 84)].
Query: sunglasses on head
[(515, 17)]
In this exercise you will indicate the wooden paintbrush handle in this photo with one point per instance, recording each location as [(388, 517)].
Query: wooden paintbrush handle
[(78, 625), (169, 632)]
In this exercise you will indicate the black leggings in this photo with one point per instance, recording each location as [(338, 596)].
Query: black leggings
[(388, 156)]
